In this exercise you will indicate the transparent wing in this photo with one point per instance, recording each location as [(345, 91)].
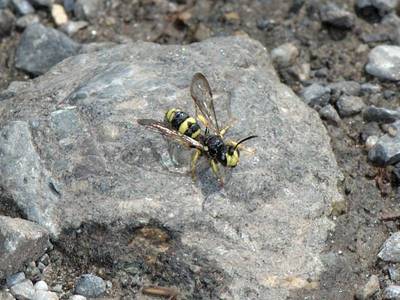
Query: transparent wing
[(170, 133), (203, 99)]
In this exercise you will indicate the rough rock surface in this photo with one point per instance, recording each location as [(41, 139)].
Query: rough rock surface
[(82, 158), (391, 249), (21, 241), (387, 150)]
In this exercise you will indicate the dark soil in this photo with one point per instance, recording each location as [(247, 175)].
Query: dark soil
[(338, 55)]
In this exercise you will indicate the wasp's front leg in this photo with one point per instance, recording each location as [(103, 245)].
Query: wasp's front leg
[(215, 170), (195, 157)]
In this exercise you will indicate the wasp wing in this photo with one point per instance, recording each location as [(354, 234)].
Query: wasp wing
[(203, 99), (170, 133)]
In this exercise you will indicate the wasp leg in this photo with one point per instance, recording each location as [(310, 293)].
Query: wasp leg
[(241, 147), (224, 130), (215, 170), (193, 162)]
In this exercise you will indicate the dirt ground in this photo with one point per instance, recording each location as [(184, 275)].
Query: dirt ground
[(333, 56)]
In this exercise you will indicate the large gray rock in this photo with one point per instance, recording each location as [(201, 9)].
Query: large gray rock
[(90, 285), (384, 62), (391, 248), (82, 158), (41, 48), (21, 241)]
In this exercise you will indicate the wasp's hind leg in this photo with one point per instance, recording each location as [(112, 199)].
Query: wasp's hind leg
[(195, 157), (215, 170)]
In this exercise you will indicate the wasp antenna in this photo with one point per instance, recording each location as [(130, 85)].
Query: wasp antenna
[(245, 139)]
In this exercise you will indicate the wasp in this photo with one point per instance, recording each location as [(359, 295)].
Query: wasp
[(186, 130)]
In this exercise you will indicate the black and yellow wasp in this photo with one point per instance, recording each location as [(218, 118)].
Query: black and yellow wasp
[(186, 130)]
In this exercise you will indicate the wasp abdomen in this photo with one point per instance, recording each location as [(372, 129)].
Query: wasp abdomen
[(183, 123)]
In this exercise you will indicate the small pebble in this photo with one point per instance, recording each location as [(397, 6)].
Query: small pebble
[(265, 24), (333, 15), (41, 285), (380, 114), (45, 259), (329, 113), (44, 295), (88, 9), (316, 95), (4, 4), (285, 55), (5, 295), (371, 288), (27, 20), (59, 15), (23, 290), (58, 288), (392, 292), (349, 105), (384, 62), (22, 7), (15, 278), (394, 271), (73, 27), (370, 88), (69, 5), (7, 21), (90, 285), (391, 249), (388, 94), (371, 141)]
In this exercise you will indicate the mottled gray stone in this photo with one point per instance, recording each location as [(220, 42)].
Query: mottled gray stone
[(333, 15), (346, 87), (23, 290), (329, 113), (7, 21), (316, 95), (392, 292), (384, 62), (88, 9), (349, 105), (387, 150), (15, 278), (380, 114), (20, 241), (5, 295), (90, 285), (4, 4), (105, 172), (27, 20), (370, 289), (22, 7), (370, 88), (285, 55), (374, 10), (394, 273), (41, 285), (44, 295), (41, 48), (391, 249)]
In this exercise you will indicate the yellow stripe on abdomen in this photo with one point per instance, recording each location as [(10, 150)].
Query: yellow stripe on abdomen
[(170, 114), (185, 125)]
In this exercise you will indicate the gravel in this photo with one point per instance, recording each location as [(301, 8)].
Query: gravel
[(387, 150), (332, 15), (15, 278), (285, 55), (90, 285), (391, 249), (27, 20), (329, 113), (41, 48), (384, 62), (22, 7), (370, 289), (392, 292), (23, 290), (380, 114), (349, 105), (316, 95)]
